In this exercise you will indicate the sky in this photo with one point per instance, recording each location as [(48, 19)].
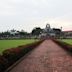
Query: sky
[(27, 14)]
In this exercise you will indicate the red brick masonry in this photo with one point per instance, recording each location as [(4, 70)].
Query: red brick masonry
[(48, 57)]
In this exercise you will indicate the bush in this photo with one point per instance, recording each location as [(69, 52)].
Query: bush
[(13, 54), (64, 45), (3, 63)]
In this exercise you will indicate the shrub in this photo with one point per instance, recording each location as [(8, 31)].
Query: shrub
[(13, 54), (3, 63), (64, 45)]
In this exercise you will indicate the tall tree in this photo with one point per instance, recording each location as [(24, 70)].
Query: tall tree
[(36, 31)]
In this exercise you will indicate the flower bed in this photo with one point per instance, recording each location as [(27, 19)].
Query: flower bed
[(10, 56), (64, 45)]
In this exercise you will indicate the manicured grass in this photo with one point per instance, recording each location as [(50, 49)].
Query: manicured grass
[(69, 41), (5, 44)]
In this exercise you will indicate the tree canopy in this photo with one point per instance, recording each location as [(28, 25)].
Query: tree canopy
[(36, 31)]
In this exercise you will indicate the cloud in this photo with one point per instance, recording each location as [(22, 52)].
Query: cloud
[(7, 8), (27, 14)]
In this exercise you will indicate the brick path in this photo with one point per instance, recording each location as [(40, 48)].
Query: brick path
[(48, 57)]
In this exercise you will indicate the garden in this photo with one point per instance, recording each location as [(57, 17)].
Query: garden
[(69, 41), (6, 44), (13, 50), (64, 43)]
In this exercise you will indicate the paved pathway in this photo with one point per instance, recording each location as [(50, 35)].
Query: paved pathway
[(48, 57)]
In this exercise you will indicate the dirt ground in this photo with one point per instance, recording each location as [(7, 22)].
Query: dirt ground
[(47, 57)]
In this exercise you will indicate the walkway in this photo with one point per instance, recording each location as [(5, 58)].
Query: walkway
[(48, 57)]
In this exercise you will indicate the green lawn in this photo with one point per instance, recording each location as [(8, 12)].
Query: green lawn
[(5, 44), (69, 41)]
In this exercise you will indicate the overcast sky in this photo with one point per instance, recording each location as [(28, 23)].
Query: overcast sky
[(27, 14)]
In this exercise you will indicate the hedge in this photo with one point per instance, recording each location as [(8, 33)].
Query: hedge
[(3, 63), (11, 55), (64, 45)]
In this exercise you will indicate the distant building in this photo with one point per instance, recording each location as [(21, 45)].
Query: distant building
[(50, 32), (13, 32), (67, 34)]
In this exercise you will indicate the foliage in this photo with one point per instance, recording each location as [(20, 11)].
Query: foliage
[(3, 63), (57, 32), (13, 33), (69, 41), (36, 31), (6, 44), (64, 45), (10, 56)]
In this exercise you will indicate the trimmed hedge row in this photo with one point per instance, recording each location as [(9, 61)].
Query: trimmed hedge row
[(64, 45), (10, 56)]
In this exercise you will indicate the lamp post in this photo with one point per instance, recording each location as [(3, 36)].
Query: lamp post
[(61, 32), (61, 28)]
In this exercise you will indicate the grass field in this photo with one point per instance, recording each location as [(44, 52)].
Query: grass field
[(69, 41), (5, 44)]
